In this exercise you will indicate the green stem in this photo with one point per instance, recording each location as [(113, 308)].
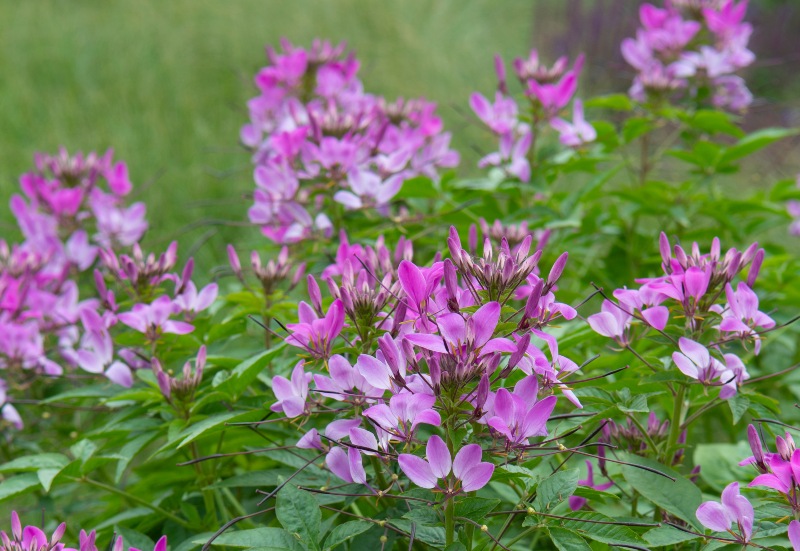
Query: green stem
[(449, 522), (140, 501), (675, 424)]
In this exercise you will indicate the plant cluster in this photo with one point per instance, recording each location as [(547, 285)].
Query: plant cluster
[(555, 354)]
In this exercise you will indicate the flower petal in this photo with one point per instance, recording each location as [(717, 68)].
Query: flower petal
[(418, 470)]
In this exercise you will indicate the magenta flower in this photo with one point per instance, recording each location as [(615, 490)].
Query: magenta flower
[(794, 535), (695, 361), (314, 334), (577, 502), (553, 97), (153, 319), (291, 394), (512, 156), (519, 415), (460, 337), (387, 369), (500, 117), (468, 470), (404, 412), (742, 316), (192, 301), (612, 321), (578, 132), (344, 379), (734, 508)]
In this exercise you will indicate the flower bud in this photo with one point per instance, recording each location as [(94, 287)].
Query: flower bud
[(756, 447), (755, 267), (557, 269), (233, 260), (473, 238), (451, 285), (784, 448), (666, 255), (482, 392), (532, 305), (519, 353), (314, 294)]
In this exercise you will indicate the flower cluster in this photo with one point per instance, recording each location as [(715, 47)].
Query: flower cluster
[(690, 292), (695, 47), (440, 347), (72, 207), (33, 538), (735, 514), (316, 135), (547, 90)]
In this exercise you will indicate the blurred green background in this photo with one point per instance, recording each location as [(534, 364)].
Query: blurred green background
[(165, 83)]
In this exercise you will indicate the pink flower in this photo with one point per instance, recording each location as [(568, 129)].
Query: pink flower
[(468, 470), (694, 361), (519, 415), (314, 334), (291, 394), (153, 319), (735, 508), (577, 133), (500, 117)]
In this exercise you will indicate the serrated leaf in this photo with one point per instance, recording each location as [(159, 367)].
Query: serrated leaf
[(554, 489), (344, 532), (475, 508), (299, 513), (679, 497), (567, 540)]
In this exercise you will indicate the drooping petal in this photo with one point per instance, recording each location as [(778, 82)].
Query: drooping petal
[(418, 470), (356, 466), (712, 515), (794, 535), (685, 365), (339, 464)]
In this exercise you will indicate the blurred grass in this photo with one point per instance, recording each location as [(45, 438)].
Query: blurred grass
[(165, 84)]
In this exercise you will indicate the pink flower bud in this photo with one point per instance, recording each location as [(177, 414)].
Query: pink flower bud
[(557, 269), (314, 294), (755, 267), (233, 260), (482, 392), (532, 305), (666, 255)]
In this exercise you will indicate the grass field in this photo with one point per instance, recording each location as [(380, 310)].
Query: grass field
[(165, 83)]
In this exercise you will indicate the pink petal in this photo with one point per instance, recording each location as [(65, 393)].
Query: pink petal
[(477, 477), (374, 371), (656, 316), (356, 466), (418, 470), (695, 351), (337, 430), (438, 457), (685, 365), (339, 464), (712, 515), (466, 458), (427, 341), (427, 417), (794, 535), (413, 283), (485, 319)]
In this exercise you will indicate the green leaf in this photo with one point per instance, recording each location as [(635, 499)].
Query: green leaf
[(344, 532), (262, 538), (46, 477), (299, 513), (555, 489), (432, 535), (475, 508), (719, 462), (19, 484), (35, 462), (604, 533), (755, 141), (213, 424), (425, 516), (567, 540), (667, 535), (129, 451), (739, 405), (246, 372), (420, 186), (134, 538), (617, 102), (680, 498)]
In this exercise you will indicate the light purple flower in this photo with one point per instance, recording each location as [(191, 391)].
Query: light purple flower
[(291, 394), (733, 509), (404, 412), (469, 471), (520, 415), (578, 132), (314, 334), (153, 319), (695, 361)]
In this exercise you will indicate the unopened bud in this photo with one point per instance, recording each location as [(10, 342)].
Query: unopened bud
[(755, 267), (314, 294), (557, 269), (666, 255), (473, 239), (482, 393)]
